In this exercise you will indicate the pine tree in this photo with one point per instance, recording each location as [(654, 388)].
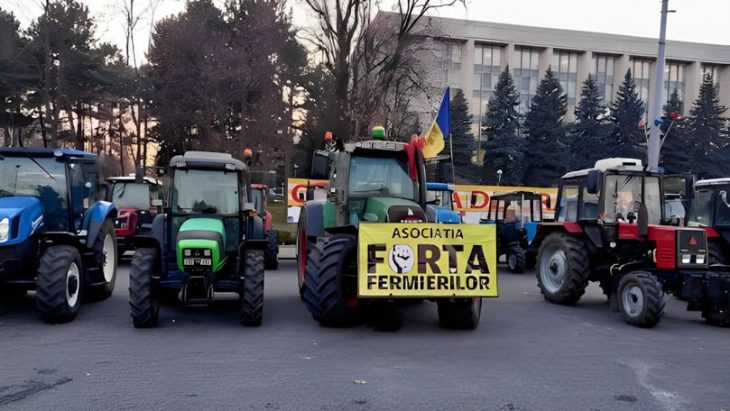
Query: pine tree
[(589, 130), (626, 112), (675, 156), (545, 133), (503, 148), (463, 139), (706, 126)]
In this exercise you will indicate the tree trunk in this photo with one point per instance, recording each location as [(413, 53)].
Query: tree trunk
[(43, 128), (144, 152), (139, 131), (79, 127), (121, 139)]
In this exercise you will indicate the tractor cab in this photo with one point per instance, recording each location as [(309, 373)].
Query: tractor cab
[(259, 197), (710, 210), (138, 199), (517, 215), (611, 228), (440, 204)]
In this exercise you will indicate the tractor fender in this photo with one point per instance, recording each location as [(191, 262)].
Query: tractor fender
[(255, 228), (549, 228), (314, 218), (95, 217)]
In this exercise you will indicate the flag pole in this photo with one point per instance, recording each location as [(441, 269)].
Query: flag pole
[(451, 152)]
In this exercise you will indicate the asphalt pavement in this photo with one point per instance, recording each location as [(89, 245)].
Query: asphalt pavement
[(526, 354)]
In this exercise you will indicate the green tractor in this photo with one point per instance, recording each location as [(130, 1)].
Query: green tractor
[(379, 185), (209, 240)]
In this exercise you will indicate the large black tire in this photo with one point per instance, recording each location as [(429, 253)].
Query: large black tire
[(252, 295), (105, 259), (562, 268), (303, 248), (271, 253), (59, 286), (716, 253), (324, 285), (460, 314), (516, 259), (641, 299), (143, 299)]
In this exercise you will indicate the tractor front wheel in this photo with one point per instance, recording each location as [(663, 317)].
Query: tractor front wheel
[(271, 253), (324, 286), (59, 286), (252, 296), (105, 257), (562, 271), (641, 299), (143, 299), (516, 259), (460, 314)]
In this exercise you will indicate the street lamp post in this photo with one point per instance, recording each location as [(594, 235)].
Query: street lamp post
[(655, 135), (499, 177)]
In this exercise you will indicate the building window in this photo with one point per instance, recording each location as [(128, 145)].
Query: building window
[(487, 64), (640, 71), (565, 67), (673, 80), (602, 72), (448, 60), (527, 75)]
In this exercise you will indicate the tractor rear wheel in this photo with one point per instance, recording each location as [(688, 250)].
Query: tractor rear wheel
[(271, 253), (105, 257), (562, 270), (716, 254), (252, 295), (59, 286), (325, 293), (516, 259), (460, 314), (144, 301), (641, 299)]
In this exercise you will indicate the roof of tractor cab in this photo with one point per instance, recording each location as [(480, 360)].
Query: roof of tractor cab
[(132, 179), (518, 194), (609, 164), (712, 182), (207, 160), (381, 145), (46, 152)]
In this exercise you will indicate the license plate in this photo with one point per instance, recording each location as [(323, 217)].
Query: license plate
[(199, 261)]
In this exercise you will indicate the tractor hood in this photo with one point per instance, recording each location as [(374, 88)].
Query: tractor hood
[(201, 245), (393, 209), (23, 216)]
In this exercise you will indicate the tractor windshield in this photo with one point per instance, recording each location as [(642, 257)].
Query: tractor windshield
[(700, 210), (722, 210), (131, 195), (623, 198), (205, 191), (381, 176), (257, 198)]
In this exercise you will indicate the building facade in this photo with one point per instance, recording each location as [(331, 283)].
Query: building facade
[(470, 55)]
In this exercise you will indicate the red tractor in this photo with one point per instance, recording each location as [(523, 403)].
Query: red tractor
[(259, 193), (610, 227), (138, 200)]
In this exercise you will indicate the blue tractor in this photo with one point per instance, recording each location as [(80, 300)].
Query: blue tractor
[(440, 205), (517, 215), (54, 237)]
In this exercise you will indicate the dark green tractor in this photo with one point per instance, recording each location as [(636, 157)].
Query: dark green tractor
[(209, 240), (371, 182)]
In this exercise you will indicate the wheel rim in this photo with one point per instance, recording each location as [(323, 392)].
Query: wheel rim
[(511, 261), (110, 255), (553, 268), (633, 300), (73, 285)]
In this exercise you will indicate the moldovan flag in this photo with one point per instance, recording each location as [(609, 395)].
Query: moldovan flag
[(440, 129)]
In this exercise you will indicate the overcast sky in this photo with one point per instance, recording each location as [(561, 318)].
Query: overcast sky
[(705, 21)]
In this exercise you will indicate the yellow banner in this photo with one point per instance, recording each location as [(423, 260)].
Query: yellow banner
[(427, 260)]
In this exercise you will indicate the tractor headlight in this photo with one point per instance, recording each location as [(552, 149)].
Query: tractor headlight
[(700, 258), (686, 258), (4, 229)]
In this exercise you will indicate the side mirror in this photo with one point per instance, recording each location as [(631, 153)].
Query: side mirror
[(320, 166), (643, 221), (594, 181)]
